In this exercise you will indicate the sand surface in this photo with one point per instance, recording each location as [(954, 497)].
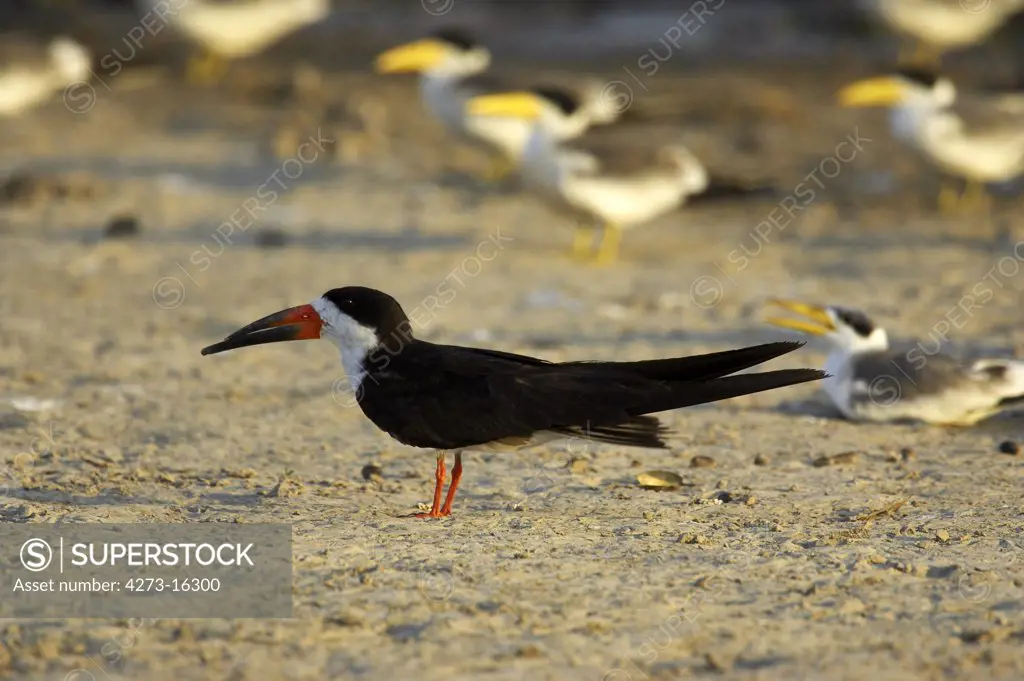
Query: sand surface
[(903, 560)]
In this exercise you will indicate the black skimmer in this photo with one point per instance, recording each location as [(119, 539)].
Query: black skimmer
[(450, 398)]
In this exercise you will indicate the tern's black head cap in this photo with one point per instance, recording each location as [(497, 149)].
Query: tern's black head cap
[(922, 77), (856, 320), (457, 38), (566, 101), (370, 308)]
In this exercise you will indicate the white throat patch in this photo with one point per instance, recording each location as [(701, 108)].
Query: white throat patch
[(354, 340)]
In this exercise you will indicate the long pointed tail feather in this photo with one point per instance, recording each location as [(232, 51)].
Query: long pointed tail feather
[(712, 365), (725, 388)]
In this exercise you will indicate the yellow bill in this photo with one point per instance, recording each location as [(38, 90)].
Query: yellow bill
[(414, 57), (882, 91), (818, 322), (524, 105)]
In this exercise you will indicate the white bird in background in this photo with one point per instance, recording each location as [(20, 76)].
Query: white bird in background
[(231, 29), (975, 136), (608, 174), (31, 71), (454, 67), (869, 382), (937, 26)]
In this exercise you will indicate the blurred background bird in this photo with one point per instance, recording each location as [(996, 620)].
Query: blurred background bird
[(971, 135), (232, 29), (618, 181), (32, 70), (453, 67), (930, 28)]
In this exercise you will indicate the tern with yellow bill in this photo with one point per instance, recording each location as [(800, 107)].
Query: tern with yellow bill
[(454, 67), (937, 26), (31, 71), (231, 29), (975, 136), (870, 382), (606, 175)]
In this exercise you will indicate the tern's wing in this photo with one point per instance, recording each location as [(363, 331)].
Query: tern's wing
[(936, 388), (991, 117)]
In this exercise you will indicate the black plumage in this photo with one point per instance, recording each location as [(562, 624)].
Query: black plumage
[(447, 397)]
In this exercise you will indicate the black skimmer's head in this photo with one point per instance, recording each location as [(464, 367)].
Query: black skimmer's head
[(355, 318)]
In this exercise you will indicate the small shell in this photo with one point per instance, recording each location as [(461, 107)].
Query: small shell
[(659, 480)]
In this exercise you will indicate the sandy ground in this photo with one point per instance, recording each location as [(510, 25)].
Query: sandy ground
[(902, 560)]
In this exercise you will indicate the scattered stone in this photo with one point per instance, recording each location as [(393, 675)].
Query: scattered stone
[(701, 461), (372, 473), (716, 665), (751, 500), (852, 606), (724, 497), (28, 188), (286, 488), (840, 459), (122, 227), (578, 465), (908, 454), (659, 480), (1009, 447), (942, 535), (270, 238), (693, 538), (761, 460)]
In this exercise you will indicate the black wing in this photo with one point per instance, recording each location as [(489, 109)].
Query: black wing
[(448, 397)]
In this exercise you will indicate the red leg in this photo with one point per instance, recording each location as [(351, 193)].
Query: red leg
[(456, 477), (435, 509)]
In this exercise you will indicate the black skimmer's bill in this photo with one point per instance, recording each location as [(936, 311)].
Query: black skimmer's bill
[(453, 67), (972, 135), (870, 382), (450, 398)]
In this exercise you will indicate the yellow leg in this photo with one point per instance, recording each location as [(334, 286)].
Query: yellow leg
[(205, 70), (500, 168), (976, 197), (608, 251), (582, 241), (920, 54), (949, 198)]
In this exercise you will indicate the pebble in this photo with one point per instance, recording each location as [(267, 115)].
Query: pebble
[(761, 460), (659, 480), (372, 472), (122, 227), (942, 535), (1009, 447), (837, 459), (578, 465), (701, 461), (270, 238)]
